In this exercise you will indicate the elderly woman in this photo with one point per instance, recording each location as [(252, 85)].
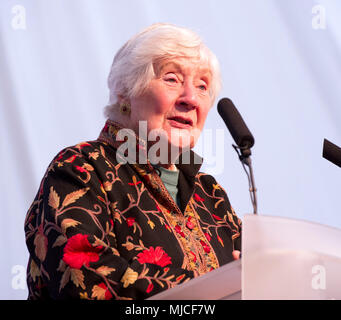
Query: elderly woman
[(129, 214)]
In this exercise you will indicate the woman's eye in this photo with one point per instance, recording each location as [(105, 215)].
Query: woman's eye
[(203, 87), (171, 79)]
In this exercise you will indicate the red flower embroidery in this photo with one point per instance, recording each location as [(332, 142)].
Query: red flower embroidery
[(155, 256), (198, 198), (150, 288), (178, 230), (107, 294), (60, 156), (130, 221), (208, 237), (206, 247), (216, 217), (100, 198), (179, 278), (189, 224), (78, 251), (80, 169), (134, 184), (194, 256), (71, 159), (84, 144)]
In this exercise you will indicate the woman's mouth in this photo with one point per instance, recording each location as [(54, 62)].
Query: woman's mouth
[(180, 122)]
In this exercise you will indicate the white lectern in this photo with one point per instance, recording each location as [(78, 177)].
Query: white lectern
[(281, 259)]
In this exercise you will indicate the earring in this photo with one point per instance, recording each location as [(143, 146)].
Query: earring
[(125, 108)]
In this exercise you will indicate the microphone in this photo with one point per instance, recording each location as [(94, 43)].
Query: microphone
[(236, 125), (331, 152), (244, 140)]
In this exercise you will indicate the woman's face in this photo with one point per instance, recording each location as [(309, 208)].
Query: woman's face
[(176, 102)]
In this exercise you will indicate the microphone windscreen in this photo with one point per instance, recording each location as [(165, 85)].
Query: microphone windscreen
[(331, 152), (235, 123)]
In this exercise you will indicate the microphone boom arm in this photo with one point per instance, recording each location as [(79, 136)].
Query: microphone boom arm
[(244, 156)]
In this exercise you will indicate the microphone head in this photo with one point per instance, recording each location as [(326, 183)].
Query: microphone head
[(331, 152), (235, 123)]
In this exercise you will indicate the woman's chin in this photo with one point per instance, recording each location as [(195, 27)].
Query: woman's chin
[(180, 147), (183, 139)]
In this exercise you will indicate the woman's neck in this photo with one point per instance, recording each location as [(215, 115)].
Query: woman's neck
[(169, 166)]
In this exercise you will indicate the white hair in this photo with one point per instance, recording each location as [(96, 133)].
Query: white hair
[(132, 68)]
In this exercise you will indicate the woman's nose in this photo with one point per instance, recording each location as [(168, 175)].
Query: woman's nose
[(188, 97)]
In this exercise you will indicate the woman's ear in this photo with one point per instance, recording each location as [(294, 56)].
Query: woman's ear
[(121, 98), (123, 101)]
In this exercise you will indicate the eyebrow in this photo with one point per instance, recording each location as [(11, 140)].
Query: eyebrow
[(204, 72), (160, 68)]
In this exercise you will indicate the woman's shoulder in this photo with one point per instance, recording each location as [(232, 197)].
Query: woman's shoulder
[(208, 181), (86, 151), (87, 156)]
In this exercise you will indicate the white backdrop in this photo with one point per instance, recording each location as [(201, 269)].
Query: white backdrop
[(281, 65)]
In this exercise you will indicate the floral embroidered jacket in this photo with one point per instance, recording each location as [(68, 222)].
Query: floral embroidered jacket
[(102, 229)]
